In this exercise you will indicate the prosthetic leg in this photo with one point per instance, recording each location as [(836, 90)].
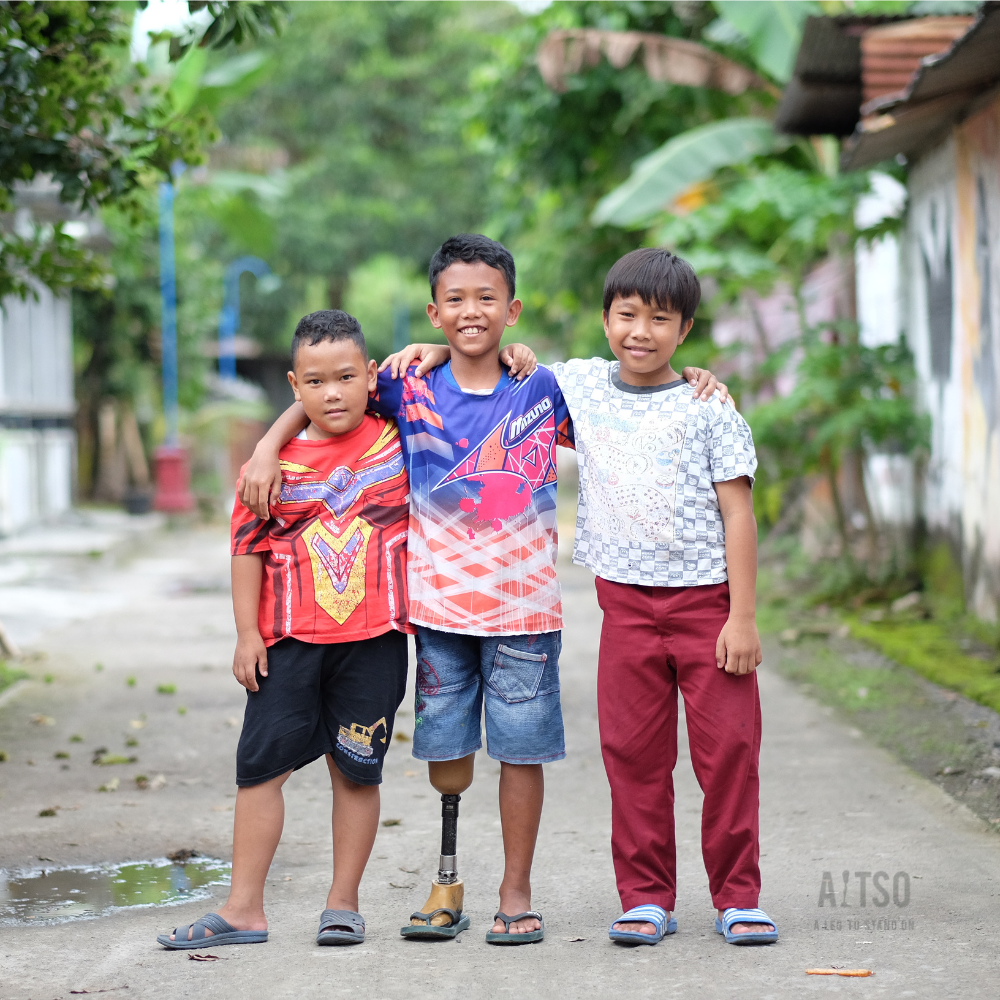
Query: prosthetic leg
[(442, 915)]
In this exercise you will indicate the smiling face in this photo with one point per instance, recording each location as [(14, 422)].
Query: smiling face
[(332, 381), (472, 306), (643, 337)]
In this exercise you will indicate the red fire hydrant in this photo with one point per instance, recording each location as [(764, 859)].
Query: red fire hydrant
[(173, 480)]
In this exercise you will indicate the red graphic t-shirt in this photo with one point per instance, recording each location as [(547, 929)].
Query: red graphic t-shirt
[(335, 546)]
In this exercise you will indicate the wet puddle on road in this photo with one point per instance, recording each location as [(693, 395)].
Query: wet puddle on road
[(51, 895)]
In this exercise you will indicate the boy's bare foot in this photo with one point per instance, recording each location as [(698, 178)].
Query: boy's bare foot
[(632, 926), (238, 920), (512, 902), (748, 928)]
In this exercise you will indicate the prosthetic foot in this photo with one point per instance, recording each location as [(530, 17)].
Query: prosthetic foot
[(442, 915)]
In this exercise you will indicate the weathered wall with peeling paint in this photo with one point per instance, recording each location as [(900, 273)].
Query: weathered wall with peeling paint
[(951, 263)]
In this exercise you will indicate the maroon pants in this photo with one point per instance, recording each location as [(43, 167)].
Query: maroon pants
[(654, 641)]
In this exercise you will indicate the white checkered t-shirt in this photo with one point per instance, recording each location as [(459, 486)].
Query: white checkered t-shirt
[(648, 457)]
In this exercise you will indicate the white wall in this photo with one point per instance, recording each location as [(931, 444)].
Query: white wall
[(37, 449)]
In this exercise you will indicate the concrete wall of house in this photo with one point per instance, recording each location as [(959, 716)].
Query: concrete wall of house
[(37, 441), (951, 267)]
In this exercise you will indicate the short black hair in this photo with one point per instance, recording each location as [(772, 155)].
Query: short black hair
[(658, 277), (328, 324), (469, 248)]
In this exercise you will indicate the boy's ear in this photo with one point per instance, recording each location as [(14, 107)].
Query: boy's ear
[(607, 332), (513, 311), (295, 386), (433, 315), (685, 330), (372, 375)]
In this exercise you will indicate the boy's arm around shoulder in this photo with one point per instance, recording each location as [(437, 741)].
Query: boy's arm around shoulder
[(260, 484), (737, 650)]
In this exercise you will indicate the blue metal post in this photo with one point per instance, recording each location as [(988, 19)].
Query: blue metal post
[(229, 318), (168, 296)]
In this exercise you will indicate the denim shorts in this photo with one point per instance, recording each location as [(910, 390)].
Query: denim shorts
[(516, 679)]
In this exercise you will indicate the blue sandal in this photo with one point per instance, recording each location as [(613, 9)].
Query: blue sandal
[(735, 916), (648, 913), (351, 927), (222, 933)]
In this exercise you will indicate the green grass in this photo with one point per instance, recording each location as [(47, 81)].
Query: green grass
[(930, 649), (8, 675)]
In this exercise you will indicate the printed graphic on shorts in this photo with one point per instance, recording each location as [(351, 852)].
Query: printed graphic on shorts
[(335, 548), (357, 741), (649, 461), (338, 564), (507, 467), (482, 470)]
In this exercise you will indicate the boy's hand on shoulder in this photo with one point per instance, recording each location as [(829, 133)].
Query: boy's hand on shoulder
[(705, 384), (738, 648), (250, 655), (260, 484), (519, 359), (428, 355)]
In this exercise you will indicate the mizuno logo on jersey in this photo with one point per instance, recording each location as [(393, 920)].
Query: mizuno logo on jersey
[(519, 425)]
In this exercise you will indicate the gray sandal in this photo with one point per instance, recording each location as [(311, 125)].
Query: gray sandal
[(222, 933), (505, 936), (427, 930), (351, 927)]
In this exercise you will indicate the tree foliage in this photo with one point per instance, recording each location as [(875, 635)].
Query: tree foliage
[(557, 154), (73, 108)]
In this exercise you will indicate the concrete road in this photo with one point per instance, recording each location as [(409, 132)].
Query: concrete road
[(831, 804)]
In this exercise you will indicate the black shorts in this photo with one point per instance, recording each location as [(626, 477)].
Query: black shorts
[(338, 698)]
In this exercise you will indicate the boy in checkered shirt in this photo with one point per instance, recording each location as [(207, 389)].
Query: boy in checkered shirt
[(666, 523)]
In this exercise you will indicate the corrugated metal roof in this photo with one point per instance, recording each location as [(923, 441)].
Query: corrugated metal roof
[(891, 54), (941, 93), (824, 94)]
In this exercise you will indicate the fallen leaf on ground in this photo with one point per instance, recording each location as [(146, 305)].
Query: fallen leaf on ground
[(205, 958), (109, 989), (402, 885), (184, 854), (109, 786), (158, 782), (391, 822), (49, 812), (576, 939), (860, 973), (402, 738), (410, 871), (43, 720)]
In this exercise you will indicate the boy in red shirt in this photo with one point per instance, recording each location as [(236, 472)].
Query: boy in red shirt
[(319, 593)]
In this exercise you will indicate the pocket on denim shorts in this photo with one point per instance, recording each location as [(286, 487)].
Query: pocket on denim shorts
[(516, 675)]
